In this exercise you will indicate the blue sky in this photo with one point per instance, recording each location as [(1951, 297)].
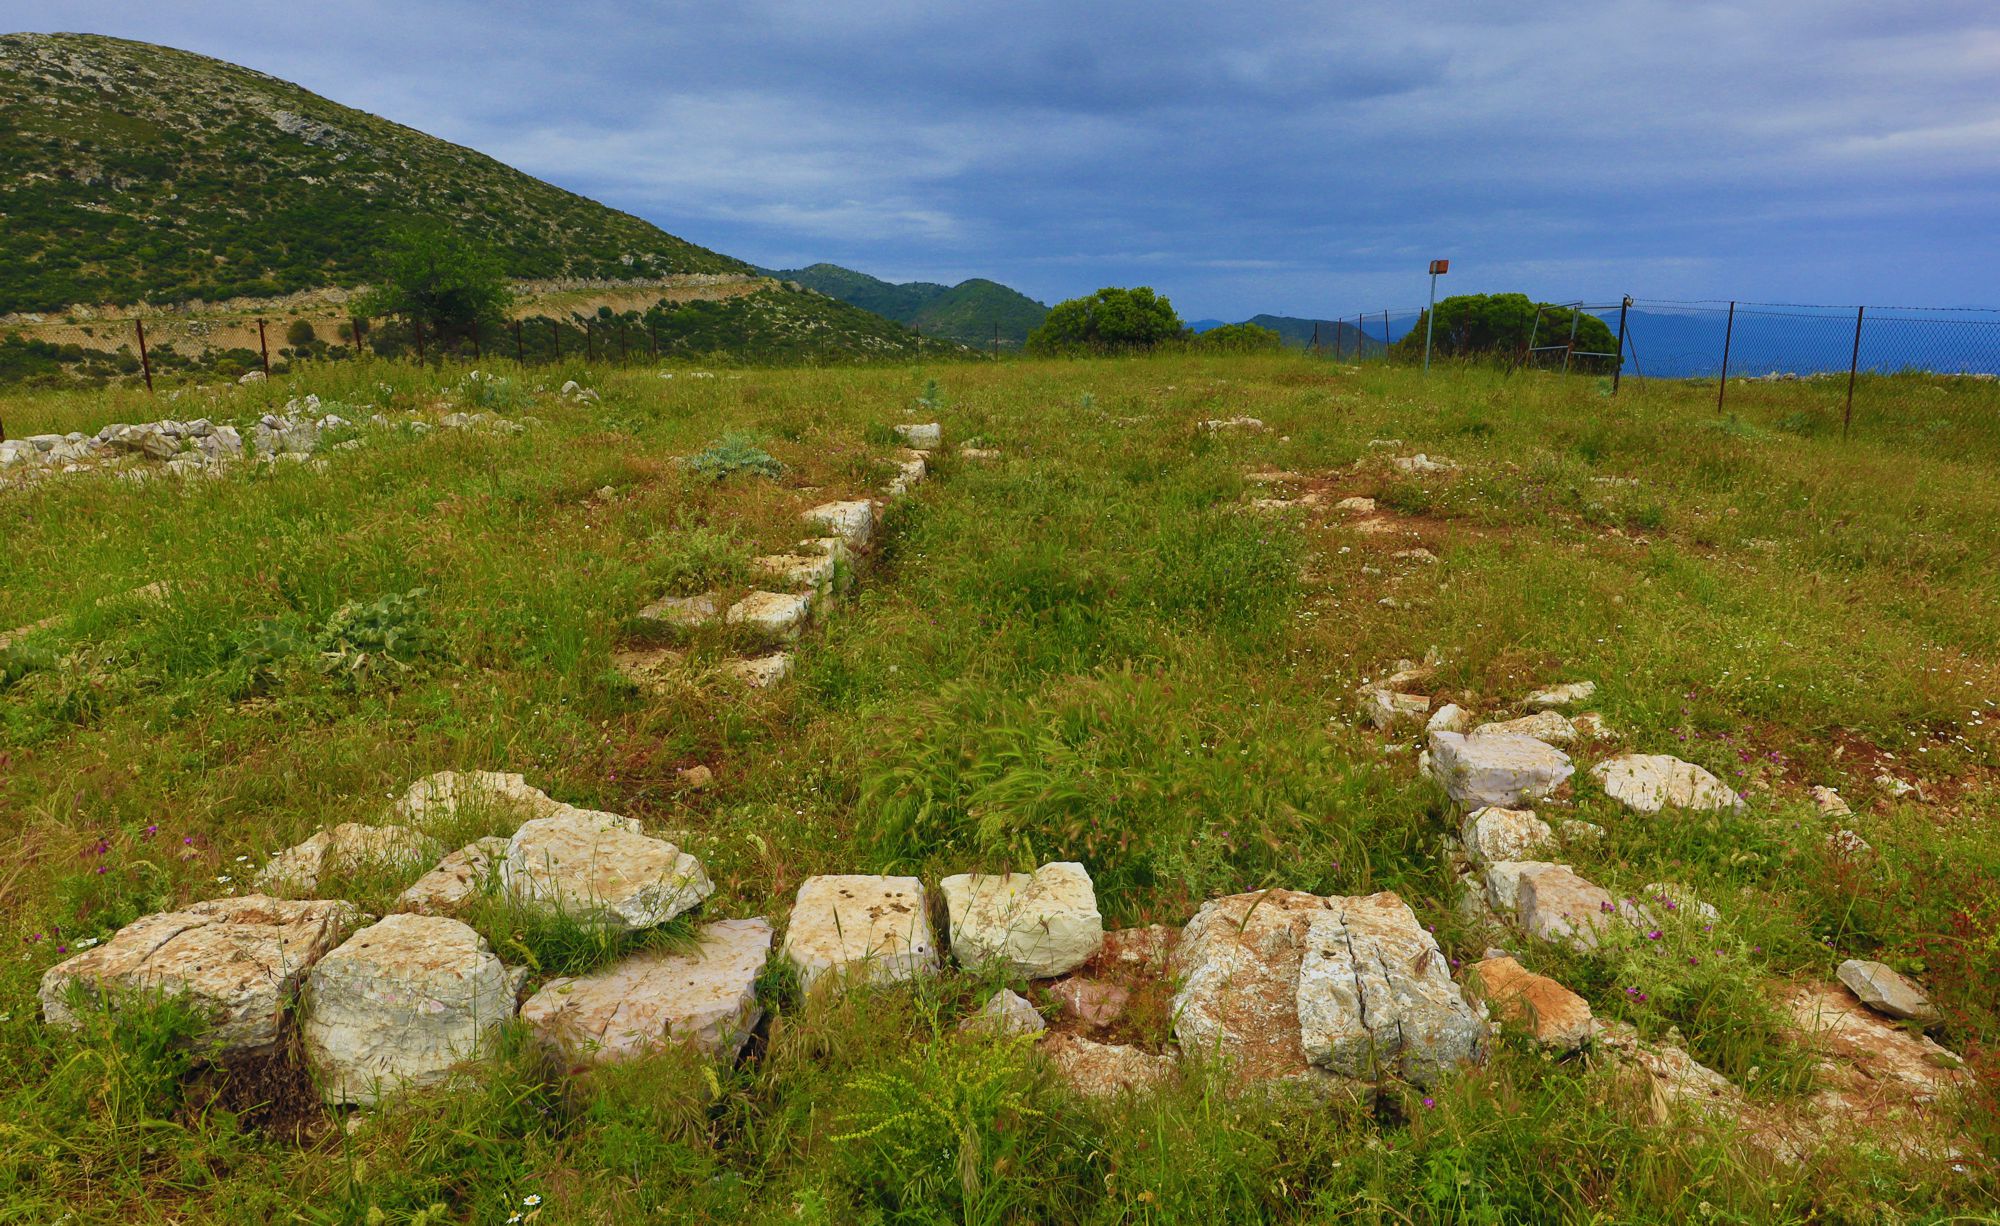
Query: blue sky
[(1303, 159)]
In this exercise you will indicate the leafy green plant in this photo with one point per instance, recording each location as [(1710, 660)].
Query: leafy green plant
[(735, 452), (364, 637)]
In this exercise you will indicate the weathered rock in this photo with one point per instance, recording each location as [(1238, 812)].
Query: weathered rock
[(402, 1002), (1038, 925), (1542, 726), (1845, 842), (1870, 1066), (1496, 770), (458, 879), (1147, 947), (812, 572), (598, 868), (1232, 423), (237, 960), (853, 522), (772, 615), (1883, 990), (761, 672), (696, 778), (439, 797), (910, 473), (1830, 802), (682, 610), (1574, 831), (1103, 1070), (1386, 708), (923, 437), (1279, 982), (1897, 788), (1672, 1079), (705, 998), (1492, 834), (1560, 696), (1649, 783), (1004, 1015), (1449, 718), (1554, 1015), (649, 668), (874, 928), (1592, 726), (979, 453), (1502, 882), (1356, 505), (1092, 1002), (1556, 905), (1421, 465), (344, 851)]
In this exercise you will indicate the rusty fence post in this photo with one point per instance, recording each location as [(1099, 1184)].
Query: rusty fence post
[(520, 352), (589, 343), (1618, 368), (264, 348), (145, 362), (1853, 366), (555, 334)]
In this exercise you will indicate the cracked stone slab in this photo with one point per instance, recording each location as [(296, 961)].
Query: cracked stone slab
[(1038, 925), (876, 928), (1502, 882), (684, 611), (402, 1003), (1105, 1070), (237, 960), (1651, 782), (1495, 834), (441, 795), (1005, 1015), (1556, 905), (1279, 983), (1547, 726), (1387, 708), (458, 879), (923, 436), (774, 615), (705, 998), (852, 521), (1497, 769), (344, 851), (1560, 696), (813, 572), (598, 868)]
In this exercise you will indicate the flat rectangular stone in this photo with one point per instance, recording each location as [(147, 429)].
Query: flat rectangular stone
[(777, 615), (876, 928), (682, 610)]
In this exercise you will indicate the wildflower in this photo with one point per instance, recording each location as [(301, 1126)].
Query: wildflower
[(512, 1218), (62, 949), (100, 870), (1429, 1101), (152, 830), (243, 859), (1654, 935), (1604, 907), (224, 880), (531, 1200), (187, 841)]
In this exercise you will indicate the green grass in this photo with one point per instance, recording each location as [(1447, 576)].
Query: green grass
[(1087, 648)]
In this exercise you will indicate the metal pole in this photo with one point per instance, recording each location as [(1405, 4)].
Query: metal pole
[(520, 350), (589, 342), (1853, 365), (1619, 368), (996, 342), (624, 350), (1430, 322), (555, 334), (264, 347), (354, 326), (1575, 318), (417, 330), (145, 363), (1728, 333), (652, 338), (1385, 332)]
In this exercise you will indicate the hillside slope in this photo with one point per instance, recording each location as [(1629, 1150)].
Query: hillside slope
[(137, 172), (968, 311)]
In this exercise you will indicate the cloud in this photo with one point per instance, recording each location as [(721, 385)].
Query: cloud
[(1298, 157)]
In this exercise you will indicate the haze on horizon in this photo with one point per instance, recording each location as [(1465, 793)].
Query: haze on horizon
[(1303, 159)]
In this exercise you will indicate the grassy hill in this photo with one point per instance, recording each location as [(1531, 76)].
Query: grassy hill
[(137, 172), (964, 312)]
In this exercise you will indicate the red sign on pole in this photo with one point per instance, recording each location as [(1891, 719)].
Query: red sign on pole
[(1440, 267)]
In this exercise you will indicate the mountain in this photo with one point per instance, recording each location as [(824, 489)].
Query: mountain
[(966, 312), (137, 172), (1333, 336)]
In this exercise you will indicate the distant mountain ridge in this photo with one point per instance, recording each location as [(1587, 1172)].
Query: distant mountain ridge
[(968, 312)]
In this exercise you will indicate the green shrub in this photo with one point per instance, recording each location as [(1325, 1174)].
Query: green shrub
[(736, 452)]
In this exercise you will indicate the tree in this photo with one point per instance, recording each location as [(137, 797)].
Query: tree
[(1241, 338), (1479, 325), (1112, 320), (433, 277)]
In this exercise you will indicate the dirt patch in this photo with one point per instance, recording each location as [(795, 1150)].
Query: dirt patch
[(271, 1091)]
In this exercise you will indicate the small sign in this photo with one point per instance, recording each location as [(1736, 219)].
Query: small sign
[(1440, 267)]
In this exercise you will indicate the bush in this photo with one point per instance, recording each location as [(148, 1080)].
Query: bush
[(300, 334), (1112, 320), (735, 452), (1501, 326), (1241, 338)]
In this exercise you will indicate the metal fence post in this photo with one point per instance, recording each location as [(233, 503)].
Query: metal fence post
[(1728, 334), (555, 334), (1385, 332), (417, 331), (264, 348), (145, 362), (1619, 367), (520, 350), (1853, 365)]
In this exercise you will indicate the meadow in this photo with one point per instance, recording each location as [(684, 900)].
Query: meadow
[(1093, 646)]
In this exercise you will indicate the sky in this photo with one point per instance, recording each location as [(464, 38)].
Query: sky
[(1295, 158)]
